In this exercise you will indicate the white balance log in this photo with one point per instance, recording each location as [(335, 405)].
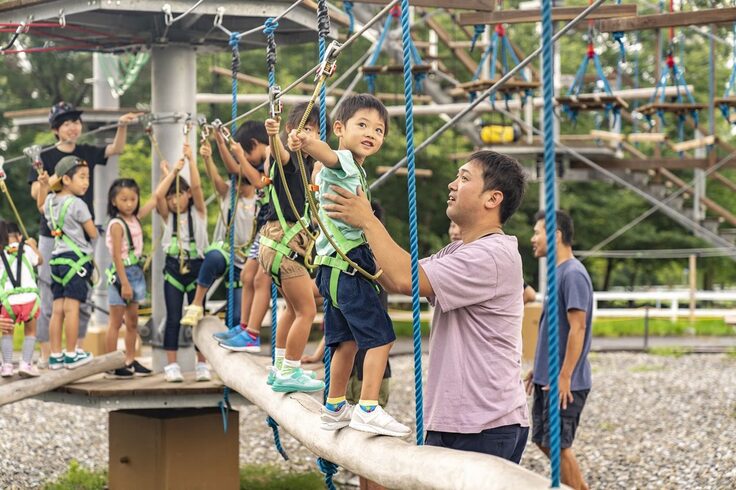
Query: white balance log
[(389, 461)]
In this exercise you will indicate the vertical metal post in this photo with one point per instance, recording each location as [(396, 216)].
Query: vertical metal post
[(103, 66), (693, 286), (173, 91), (646, 328)]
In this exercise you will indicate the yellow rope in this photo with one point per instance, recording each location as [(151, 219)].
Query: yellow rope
[(5, 190)]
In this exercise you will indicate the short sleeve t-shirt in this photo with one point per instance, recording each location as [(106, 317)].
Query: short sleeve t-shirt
[(243, 223), (199, 226), (575, 292), (348, 175), (136, 236), (474, 380), (93, 155), (26, 275), (296, 187), (76, 215)]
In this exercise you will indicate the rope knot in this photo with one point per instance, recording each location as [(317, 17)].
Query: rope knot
[(327, 467), (395, 11), (478, 30), (619, 38), (234, 40), (270, 26)]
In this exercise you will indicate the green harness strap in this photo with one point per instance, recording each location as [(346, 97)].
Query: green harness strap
[(178, 285), (57, 230), (131, 259), (17, 289), (281, 247), (173, 250)]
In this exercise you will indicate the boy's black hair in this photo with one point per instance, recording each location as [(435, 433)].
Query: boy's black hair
[(505, 174), (297, 112), (12, 228), (249, 131), (3, 234), (564, 225), (354, 103), (115, 188)]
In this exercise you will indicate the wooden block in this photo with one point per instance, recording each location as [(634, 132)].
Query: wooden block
[(394, 69), (646, 137), (671, 107), (676, 19), (693, 144), (419, 172), (607, 135), (529, 330), (173, 449), (535, 15)]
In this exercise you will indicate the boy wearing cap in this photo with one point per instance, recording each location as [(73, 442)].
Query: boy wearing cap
[(70, 222), (66, 124)]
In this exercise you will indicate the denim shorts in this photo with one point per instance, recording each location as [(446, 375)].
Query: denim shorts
[(137, 281), (360, 315), (77, 287)]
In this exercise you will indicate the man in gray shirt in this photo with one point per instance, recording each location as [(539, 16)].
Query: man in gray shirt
[(575, 300)]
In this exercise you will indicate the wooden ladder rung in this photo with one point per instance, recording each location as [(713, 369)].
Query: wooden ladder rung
[(693, 144), (646, 137)]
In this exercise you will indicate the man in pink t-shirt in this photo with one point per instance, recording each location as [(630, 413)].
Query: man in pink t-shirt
[(474, 397)]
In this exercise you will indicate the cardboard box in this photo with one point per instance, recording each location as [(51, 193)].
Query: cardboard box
[(530, 330), (173, 449)]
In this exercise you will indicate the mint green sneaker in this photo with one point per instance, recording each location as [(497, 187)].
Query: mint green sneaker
[(272, 375), (79, 358), (298, 381), (56, 362)]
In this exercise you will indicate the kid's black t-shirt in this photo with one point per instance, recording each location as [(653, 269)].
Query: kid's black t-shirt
[(93, 155), (296, 186)]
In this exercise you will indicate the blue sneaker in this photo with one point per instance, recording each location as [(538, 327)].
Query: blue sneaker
[(242, 342), (227, 334), (297, 381), (272, 372)]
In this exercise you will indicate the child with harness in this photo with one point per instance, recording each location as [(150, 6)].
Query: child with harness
[(124, 240), (217, 256), (72, 227), (182, 208), (354, 316), (246, 157), (19, 300)]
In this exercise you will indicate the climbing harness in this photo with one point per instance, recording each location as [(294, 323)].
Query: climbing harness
[(19, 260), (176, 250), (76, 267), (132, 259)]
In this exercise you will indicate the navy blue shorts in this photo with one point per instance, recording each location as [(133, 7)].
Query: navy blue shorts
[(507, 442), (569, 417), (77, 287), (361, 316)]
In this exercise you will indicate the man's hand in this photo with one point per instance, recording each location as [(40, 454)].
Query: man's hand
[(272, 127), (296, 140), (353, 209), (205, 150), (129, 118), (6, 325), (529, 382), (563, 385)]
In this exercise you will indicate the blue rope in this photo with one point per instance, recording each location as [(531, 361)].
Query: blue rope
[(370, 78), (276, 438), (413, 235), (478, 30), (348, 6), (550, 221), (225, 407), (329, 470)]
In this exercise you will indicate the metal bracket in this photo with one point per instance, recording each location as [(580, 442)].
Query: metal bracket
[(222, 129), (168, 15), (204, 128), (188, 123), (274, 100), (329, 63), (34, 153)]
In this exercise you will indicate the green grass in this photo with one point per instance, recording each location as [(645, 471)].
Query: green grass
[(252, 477), (669, 351), (404, 328), (659, 327)]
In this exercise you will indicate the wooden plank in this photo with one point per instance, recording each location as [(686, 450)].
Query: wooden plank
[(692, 144), (462, 55), (482, 5), (649, 163), (591, 102), (535, 15), (724, 180), (647, 137), (393, 69), (676, 19), (481, 85), (673, 107), (607, 135), (707, 202)]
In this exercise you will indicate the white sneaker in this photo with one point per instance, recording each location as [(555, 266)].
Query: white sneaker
[(6, 371), (202, 372), (378, 422), (336, 420), (27, 370), (172, 373), (192, 315)]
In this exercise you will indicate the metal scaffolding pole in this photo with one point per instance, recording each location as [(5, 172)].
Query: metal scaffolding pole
[(173, 91)]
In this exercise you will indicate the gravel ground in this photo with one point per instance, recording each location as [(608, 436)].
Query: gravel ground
[(650, 422)]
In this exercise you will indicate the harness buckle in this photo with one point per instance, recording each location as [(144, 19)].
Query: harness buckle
[(82, 272), (57, 233), (329, 64)]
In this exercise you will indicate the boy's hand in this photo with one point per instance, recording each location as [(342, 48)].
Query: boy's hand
[(129, 118), (32, 242), (126, 291), (164, 166), (188, 152), (43, 179), (179, 165), (296, 140), (205, 150), (236, 149), (306, 359), (272, 127)]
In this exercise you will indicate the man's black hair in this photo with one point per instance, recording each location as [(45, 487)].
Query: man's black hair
[(505, 174), (354, 103), (250, 131), (564, 225)]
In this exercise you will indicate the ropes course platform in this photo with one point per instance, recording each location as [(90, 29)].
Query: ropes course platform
[(592, 102), (511, 86), (670, 107), (389, 461)]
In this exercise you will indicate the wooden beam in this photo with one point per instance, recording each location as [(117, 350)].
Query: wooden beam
[(708, 203), (535, 15), (444, 37), (647, 137), (420, 172), (692, 144), (719, 15), (14, 391), (389, 461), (724, 180), (607, 135), (482, 5), (652, 163)]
